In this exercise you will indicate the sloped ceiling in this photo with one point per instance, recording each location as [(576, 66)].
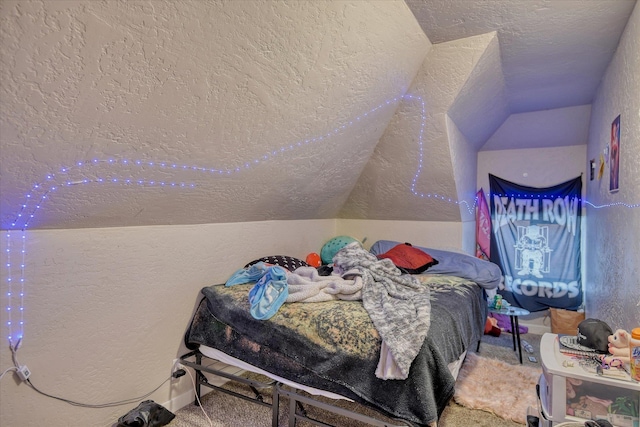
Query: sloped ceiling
[(529, 85), (164, 112), (413, 173), (554, 52), (178, 112)]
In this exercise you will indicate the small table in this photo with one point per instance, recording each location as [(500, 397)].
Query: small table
[(513, 313)]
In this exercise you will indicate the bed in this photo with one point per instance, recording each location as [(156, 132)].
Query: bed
[(333, 349)]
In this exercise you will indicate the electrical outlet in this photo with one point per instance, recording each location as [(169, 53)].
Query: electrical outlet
[(176, 365)]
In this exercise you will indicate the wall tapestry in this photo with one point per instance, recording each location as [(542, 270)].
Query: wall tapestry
[(535, 240), (483, 227)]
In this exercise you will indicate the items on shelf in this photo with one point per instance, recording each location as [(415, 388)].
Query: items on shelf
[(583, 388)]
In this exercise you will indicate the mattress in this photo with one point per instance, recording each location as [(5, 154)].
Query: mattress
[(332, 348), (213, 353)]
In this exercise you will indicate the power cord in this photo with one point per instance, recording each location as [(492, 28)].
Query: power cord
[(99, 405), (22, 368), (13, 368), (193, 381), (24, 374)]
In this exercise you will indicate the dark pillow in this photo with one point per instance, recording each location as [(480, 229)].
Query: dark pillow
[(409, 259), (288, 262)]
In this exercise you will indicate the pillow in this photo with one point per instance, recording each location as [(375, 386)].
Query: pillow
[(288, 262), (409, 259), (333, 246), (486, 274)]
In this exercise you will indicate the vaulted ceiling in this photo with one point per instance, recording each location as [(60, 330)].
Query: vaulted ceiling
[(164, 112), (554, 52), (553, 55)]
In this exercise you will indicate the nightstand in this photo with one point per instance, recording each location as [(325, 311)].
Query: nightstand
[(513, 313), (569, 391)]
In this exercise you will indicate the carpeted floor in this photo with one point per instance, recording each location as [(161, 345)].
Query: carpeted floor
[(228, 411)]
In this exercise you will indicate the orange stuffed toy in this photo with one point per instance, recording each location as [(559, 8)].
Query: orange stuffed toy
[(491, 327)]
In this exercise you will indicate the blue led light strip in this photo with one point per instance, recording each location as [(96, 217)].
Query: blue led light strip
[(24, 217), (584, 201), (416, 176), (31, 206), (15, 294), (612, 205), (23, 251), (40, 192), (9, 289), (53, 181)]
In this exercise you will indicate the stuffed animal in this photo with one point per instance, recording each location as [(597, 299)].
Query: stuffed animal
[(618, 346), (570, 384), (590, 405), (491, 327)]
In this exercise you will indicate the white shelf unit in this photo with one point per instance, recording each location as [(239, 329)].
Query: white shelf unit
[(557, 407)]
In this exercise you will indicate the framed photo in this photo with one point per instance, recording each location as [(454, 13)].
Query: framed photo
[(614, 156)]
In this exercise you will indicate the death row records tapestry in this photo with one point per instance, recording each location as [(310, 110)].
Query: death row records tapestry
[(535, 240)]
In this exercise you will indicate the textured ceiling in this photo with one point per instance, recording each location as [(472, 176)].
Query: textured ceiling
[(422, 167), (163, 112), (554, 52), (178, 112)]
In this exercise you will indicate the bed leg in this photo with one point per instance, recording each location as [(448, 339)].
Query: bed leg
[(275, 406), (197, 385), (292, 411)]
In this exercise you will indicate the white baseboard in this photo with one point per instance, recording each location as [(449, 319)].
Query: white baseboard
[(182, 400)]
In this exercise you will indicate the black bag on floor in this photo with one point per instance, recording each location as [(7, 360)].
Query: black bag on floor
[(146, 414)]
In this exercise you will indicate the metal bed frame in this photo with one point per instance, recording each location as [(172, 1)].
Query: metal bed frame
[(297, 400)]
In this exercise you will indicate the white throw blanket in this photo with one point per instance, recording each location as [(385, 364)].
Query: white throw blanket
[(306, 285), (397, 303)]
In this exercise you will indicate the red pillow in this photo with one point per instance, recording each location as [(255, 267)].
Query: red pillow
[(409, 259)]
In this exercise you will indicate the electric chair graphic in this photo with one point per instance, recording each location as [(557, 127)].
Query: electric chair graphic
[(533, 255)]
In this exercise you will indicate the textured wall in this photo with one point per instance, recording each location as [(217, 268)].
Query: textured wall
[(249, 110), (203, 84), (560, 127), (106, 310), (433, 234), (613, 258), (534, 167), (430, 161)]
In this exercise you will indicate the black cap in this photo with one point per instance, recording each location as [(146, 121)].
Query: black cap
[(594, 334)]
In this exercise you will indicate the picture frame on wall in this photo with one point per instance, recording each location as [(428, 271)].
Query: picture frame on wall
[(614, 156)]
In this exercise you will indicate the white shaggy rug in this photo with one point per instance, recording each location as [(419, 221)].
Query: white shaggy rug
[(497, 387)]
